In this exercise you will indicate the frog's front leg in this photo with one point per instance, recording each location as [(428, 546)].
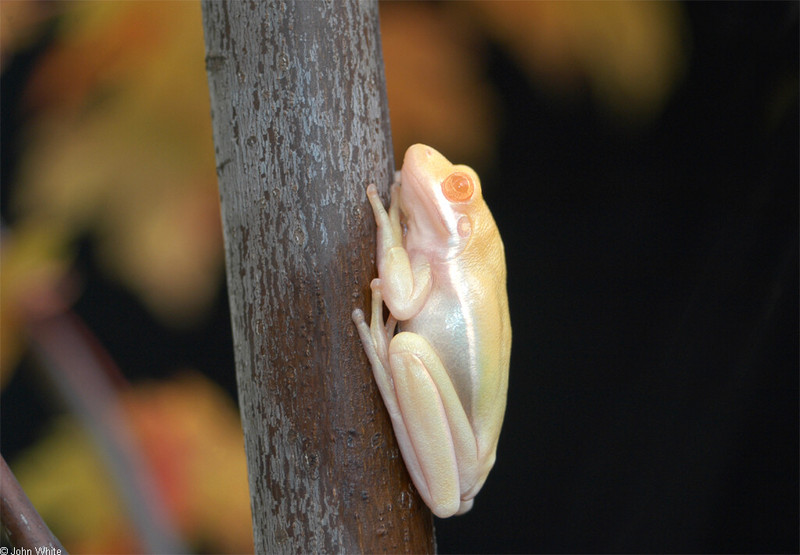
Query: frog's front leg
[(406, 283)]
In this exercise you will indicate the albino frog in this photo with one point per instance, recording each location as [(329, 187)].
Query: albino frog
[(444, 376)]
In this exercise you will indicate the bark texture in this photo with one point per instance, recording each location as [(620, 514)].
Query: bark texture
[(301, 127), (19, 521)]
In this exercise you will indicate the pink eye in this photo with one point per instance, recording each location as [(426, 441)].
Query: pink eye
[(458, 187)]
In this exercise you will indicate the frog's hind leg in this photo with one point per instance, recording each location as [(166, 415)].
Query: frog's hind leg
[(442, 448), (375, 338)]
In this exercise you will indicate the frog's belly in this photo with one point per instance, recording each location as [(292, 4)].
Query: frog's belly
[(445, 325)]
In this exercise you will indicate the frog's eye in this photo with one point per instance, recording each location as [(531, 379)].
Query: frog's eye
[(458, 187)]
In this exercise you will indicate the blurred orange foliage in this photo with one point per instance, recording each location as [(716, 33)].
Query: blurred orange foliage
[(33, 262), (73, 491), (121, 149), (630, 53), (436, 82), (190, 435), (21, 25)]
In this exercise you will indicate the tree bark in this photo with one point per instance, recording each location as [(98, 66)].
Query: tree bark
[(301, 127), (19, 520)]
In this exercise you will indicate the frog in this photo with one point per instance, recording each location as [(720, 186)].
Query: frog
[(441, 358)]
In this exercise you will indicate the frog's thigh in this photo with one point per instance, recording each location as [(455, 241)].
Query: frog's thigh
[(414, 365), (461, 431)]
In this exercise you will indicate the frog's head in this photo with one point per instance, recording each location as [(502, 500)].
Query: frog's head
[(440, 201)]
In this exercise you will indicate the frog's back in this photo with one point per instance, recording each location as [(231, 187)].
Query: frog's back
[(487, 298)]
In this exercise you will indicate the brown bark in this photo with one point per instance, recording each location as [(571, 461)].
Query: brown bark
[(20, 521), (301, 127)]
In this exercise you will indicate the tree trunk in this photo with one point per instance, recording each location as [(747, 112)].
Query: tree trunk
[(301, 126)]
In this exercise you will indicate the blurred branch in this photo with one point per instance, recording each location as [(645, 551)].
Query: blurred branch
[(20, 521), (301, 126), (84, 373)]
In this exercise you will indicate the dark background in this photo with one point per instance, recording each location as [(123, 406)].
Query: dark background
[(653, 283)]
